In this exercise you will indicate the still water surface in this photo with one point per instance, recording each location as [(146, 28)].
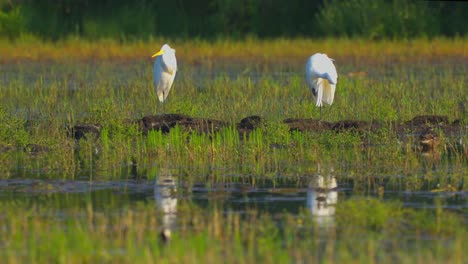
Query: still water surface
[(316, 193)]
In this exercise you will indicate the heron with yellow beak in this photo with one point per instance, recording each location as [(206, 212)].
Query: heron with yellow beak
[(165, 68)]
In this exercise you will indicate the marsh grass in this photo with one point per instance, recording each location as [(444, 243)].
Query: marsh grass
[(49, 87)]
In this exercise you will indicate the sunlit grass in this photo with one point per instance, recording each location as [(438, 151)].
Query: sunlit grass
[(274, 50)]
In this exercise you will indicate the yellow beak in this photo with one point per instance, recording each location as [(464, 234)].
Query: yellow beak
[(161, 52)]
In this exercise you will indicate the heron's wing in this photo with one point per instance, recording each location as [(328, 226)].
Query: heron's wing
[(330, 80), (168, 80), (329, 70), (171, 62), (311, 78), (308, 72), (158, 69), (170, 70)]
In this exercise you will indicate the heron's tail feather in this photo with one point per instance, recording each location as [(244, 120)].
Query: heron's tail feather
[(319, 93), (328, 92), (161, 96)]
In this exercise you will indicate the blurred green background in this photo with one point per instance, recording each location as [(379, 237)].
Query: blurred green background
[(207, 19)]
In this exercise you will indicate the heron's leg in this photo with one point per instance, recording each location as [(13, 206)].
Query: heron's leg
[(320, 113), (164, 108), (155, 104)]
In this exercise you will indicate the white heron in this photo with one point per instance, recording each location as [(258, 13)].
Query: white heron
[(322, 78), (165, 68)]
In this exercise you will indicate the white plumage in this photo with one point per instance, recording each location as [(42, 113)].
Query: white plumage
[(165, 68), (322, 78)]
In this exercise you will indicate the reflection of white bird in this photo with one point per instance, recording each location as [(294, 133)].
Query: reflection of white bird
[(321, 76), (322, 198), (164, 194), (165, 68)]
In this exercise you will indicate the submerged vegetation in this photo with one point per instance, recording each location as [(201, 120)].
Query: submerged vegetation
[(49, 90), (131, 235)]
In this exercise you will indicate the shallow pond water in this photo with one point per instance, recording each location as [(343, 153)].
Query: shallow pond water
[(315, 193)]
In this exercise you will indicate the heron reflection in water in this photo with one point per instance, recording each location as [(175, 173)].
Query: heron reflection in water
[(322, 197), (165, 190)]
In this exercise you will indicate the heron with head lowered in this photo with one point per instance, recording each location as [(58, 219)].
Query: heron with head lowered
[(165, 68), (321, 76)]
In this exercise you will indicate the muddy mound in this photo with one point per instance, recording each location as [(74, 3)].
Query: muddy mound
[(422, 127), (29, 148), (307, 124), (251, 122), (35, 148), (428, 139), (5, 148), (166, 122), (427, 120), (435, 123), (356, 126), (248, 124), (84, 131)]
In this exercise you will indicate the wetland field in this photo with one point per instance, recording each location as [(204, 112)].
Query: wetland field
[(237, 167)]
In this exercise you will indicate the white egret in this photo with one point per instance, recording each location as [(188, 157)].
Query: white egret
[(165, 68), (322, 78)]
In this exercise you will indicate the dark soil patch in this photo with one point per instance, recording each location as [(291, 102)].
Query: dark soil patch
[(249, 123), (166, 122), (424, 123), (356, 126), (5, 148), (427, 120), (29, 148), (426, 129), (84, 131), (35, 148), (429, 140), (307, 124)]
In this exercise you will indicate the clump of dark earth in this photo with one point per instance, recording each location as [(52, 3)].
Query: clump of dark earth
[(421, 124), (166, 122), (35, 148), (356, 126), (307, 124), (248, 124), (84, 131), (251, 122), (428, 139), (29, 148), (5, 148), (427, 120), (422, 127)]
